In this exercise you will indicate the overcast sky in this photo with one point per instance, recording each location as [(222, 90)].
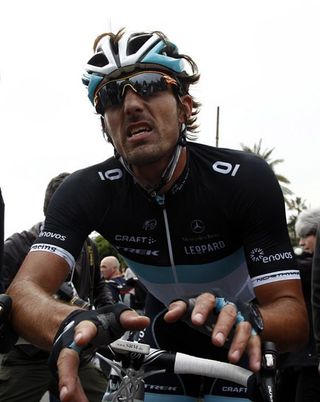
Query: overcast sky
[(259, 62)]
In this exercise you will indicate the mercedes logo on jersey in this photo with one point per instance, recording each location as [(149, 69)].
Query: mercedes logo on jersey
[(197, 226)]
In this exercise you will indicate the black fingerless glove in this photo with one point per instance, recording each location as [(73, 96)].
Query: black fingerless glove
[(245, 312), (107, 321)]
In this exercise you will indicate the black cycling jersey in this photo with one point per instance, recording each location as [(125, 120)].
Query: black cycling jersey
[(221, 225)]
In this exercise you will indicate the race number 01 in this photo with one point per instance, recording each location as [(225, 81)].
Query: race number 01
[(112, 174), (225, 168)]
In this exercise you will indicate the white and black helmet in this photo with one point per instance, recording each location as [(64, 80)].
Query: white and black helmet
[(132, 51)]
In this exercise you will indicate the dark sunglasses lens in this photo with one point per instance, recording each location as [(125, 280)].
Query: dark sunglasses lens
[(145, 84), (110, 95), (148, 84)]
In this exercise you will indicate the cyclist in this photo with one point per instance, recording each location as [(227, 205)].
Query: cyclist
[(191, 220)]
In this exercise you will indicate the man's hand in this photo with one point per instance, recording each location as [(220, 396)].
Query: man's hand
[(224, 327), (68, 361)]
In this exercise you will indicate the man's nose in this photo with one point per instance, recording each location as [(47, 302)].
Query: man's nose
[(132, 102)]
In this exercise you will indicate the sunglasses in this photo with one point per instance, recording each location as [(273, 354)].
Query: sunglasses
[(144, 84)]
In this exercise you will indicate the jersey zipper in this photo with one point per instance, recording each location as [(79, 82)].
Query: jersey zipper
[(160, 198)]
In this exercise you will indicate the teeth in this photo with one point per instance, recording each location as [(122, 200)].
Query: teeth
[(138, 130)]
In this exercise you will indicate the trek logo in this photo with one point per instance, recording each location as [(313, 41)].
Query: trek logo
[(135, 239), (52, 235), (225, 168), (139, 251), (156, 387), (112, 174), (257, 255)]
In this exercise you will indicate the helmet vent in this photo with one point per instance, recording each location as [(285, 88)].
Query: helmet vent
[(99, 60), (136, 43)]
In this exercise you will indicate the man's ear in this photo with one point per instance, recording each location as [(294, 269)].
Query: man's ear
[(103, 125), (104, 130), (186, 104)]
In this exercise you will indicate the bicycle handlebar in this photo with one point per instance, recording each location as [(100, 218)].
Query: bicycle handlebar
[(139, 361)]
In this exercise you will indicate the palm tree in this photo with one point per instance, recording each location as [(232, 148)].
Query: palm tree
[(266, 155)]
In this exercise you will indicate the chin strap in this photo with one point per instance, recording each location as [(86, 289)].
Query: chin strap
[(169, 170)]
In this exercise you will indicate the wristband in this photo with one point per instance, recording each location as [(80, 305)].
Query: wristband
[(107, 321)]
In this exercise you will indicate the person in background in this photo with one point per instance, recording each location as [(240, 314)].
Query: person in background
[(24, 372), (192, 221), (7, 336), (137, 292), (306, 229), (111, 271), (1, 238), (110, 267), (300, 381), (315, 300)]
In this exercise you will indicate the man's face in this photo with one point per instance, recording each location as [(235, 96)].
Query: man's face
[(107, 269), (308, 243), (145, 130)]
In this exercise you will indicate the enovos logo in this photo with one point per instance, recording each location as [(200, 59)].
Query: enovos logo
[(257, 254), (52, 235)]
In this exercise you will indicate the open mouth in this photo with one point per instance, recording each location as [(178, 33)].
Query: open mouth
[(138, 130)]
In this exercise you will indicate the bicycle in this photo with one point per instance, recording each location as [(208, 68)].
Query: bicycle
[(133, 361)]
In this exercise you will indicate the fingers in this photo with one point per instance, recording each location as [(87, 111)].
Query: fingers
[(254, 352), (204, 305), (68, 365), (225, 326), (240, 334), (69, 384), (176, 310), (240, 340), (68, 361), (85, 331), (130, 319)]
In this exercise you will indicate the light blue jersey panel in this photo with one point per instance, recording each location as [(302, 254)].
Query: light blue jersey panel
[(167, 283)]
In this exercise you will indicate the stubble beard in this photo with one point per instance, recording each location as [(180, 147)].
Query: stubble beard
[(144, 156)]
